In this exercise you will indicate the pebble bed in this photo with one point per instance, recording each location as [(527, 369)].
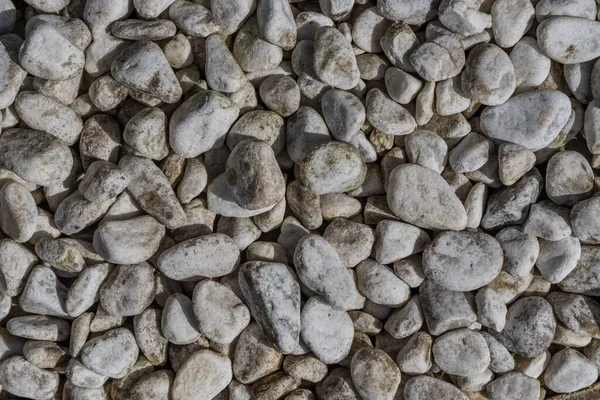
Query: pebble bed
[(299, 199)]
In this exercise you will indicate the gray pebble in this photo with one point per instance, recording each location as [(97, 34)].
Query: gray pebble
[(514, 386), (388, 116), (444, 309), (461, 352), (426, 148), (405, 321), (513, 162), (569, 371), (19, 212), (304, 130), (151, 73), (511, 19), (415, 357), (521, 250), (500, 358), (343, 112), (326, 331), (39, 327), (149, 337), (548, 221), (421, 197), (20, 378), (557, 259), (221, 314), (321, 270), (368, 29), (334, 60), (411, 12), (380, 285), (193, 18), (333, 167), (529, 328), (398, 44), (222, 71), (152, 191), (254, 356), (569, 178), (178, 323), (210, 114), (441, 58), (128, 290), (568, 40), (60, 255), (44, 294), (515, 121), (273, 297), (579, 313), (280, 94), (111, 354), (84, 291), (351, 240), (209, 256), (375, 374), (426, 387), (205, 372), (135, 29), (252, 52)]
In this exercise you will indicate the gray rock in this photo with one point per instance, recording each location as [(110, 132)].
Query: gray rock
[(209, 256), (423, 198), (351, 240), (149, 337), (304, 204), (276, 23), (273, 297), (222, 70), (19, 212), (111, 354), (549, 8), (578, 313), (145, 132), (343, 112), (326, 331), (414, 13), (152, 191), (321, 270), (511, 19), (128, 290), (514, 386), (548, 221), (21, 378), (375, 374), (568, 40), (489, 76), (60, 255), (368, 29), (569, 178), (254, 356), (510, 205), (513, 162), (205, 372), (426, 148), (516, 120), (151, 73), (380, 285), (529, 328), (491, 310), (333, 167), (557, 259), (38, 327), (415, 357), (395, 240), (584, 220), (334, 60), (44, 294), (84, 291), (387, 116), (569, 371), (221, 314), (531, 64), (178, 324), (438, 59), (461, 352), (500, 358), (445, 310), (426, 387), (201, 123), (405, 321)]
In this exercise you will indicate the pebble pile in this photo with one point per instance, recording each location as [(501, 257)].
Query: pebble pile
[(299, 199)]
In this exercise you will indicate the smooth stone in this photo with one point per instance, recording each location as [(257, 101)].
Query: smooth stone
[(128, 290), (511, 19), (334, 60), (422, 197), (514, 386), (272, 294), (380, 285), (445, 310), (513, 162), (569, 40), (569, 178), (387, 116), (579, 313), (202, 376), (178, 323), (395, 240), (462, 352), (304, 130), (254, 356), (152, 190), (201, 123), (208, 256), (529, 328), (321, 270), (220, 313), (343, 112), (39, 327), (16, 262), (462, 261), (532, 119), (276, 23), (326, 331), (375, 374), (44, 294), (19, 212), (111, 354), (521, 250), (569, 371), (151, 73), (84, 291), (145, 132), (438, 59), (21, 378), (415, 356), (426, 387), (128, 242)]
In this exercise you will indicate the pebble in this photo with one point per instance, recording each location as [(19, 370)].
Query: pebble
[(568, 185), (334, 60), (387, 116), (511, 19), (221, 314), (329, 341), (568, 40), (514, 386), (445, 310), (19, 212), (193, 19), (209, 256), (111, 354), (321, 270), (254, 356), (343, 112), (532, 119), (441, 58), (569, 371), (425, 200), (39, 327), (375, 374), (529, 328), (272, 294), (84, 291), (151, 74), (427, 387), (20, 378), (128, 290), (461, 352), (202, 376), (201, 123)]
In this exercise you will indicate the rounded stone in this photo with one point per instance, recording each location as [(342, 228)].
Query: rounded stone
[(461, 352)]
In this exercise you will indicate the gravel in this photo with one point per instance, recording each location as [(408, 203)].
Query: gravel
[(299, 200)]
